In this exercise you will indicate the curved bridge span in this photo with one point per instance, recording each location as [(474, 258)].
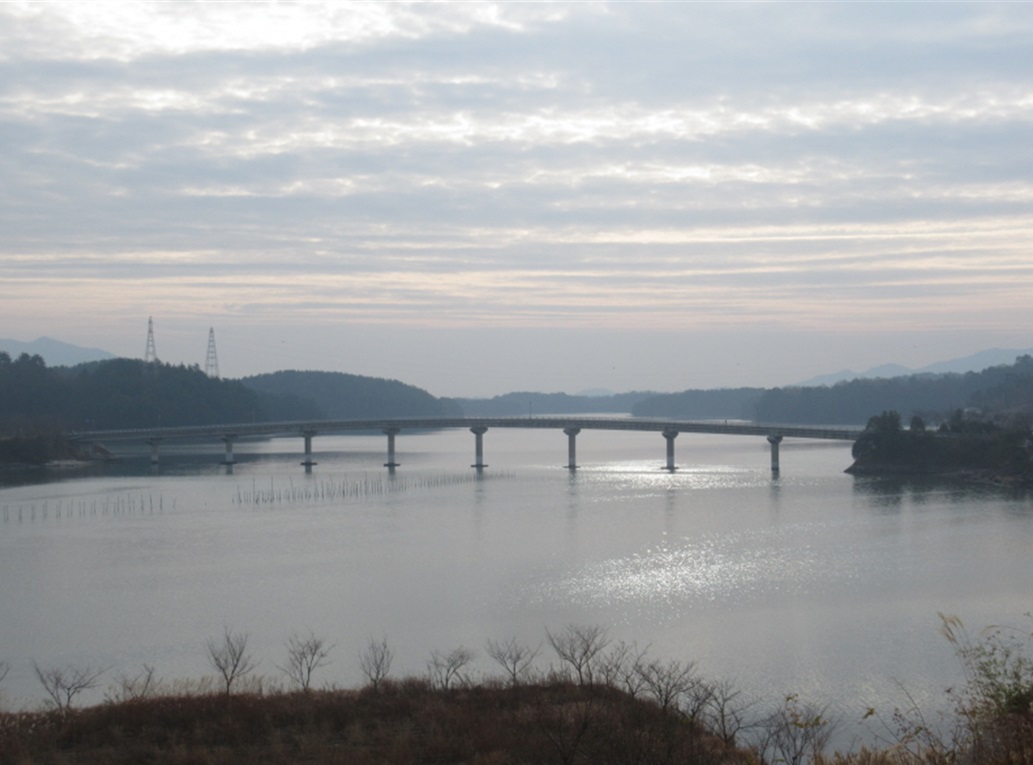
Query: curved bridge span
[(391, 427)]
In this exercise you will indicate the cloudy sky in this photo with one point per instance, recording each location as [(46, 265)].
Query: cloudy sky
[(484, 197)]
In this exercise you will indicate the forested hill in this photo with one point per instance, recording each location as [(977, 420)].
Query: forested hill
[(341, 396), (128, 393), (120, 393)]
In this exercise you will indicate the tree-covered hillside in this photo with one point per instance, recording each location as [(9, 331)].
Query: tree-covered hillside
[(1001, 391), (343, 396), (120, 393)]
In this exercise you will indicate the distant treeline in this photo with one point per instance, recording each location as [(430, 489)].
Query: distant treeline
[(724, 403), (528, 404), (1003, 391), (127, 393)]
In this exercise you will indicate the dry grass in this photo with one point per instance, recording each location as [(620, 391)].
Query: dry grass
[(401, 723)]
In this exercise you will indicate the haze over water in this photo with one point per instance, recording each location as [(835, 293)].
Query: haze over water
[(813, 582)]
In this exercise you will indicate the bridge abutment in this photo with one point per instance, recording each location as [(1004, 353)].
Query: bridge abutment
[(478, 446)]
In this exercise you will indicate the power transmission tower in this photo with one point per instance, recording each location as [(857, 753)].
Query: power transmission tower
[(211, 361), (150, 356)]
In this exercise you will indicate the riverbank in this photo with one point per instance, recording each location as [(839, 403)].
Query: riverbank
[(1004, 479)]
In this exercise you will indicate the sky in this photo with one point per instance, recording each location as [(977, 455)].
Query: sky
[(478, 198)]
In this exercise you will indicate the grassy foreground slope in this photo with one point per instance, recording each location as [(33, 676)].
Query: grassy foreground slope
[(408, 722)]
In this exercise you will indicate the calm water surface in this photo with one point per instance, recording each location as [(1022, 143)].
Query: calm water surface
[(813, 583)]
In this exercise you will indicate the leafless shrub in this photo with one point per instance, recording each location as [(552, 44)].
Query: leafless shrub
[(230, 658), (304, 657), (139, 686), (375, 661), (446, 669), (579, 646), (794, 733), (514, 657), (566, 725), (63, 684)]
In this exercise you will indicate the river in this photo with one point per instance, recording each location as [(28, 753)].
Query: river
[(813, 582)]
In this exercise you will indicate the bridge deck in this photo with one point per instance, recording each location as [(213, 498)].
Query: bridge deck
[(315, 427)]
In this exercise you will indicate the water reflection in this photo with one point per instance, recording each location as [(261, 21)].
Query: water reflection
[(893, 493), (811, 582)]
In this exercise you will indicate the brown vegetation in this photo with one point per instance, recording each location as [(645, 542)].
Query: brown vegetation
[(400, 722), (605, 703)]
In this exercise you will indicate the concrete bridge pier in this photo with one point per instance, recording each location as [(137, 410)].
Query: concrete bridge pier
[(572, 447), (478, 449), (228, 440), (670, 435), (391, 433), (154, 443), (774, 440), (308, 462)]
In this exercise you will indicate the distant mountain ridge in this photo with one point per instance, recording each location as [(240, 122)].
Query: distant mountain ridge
[(55, 352), (975, 362)]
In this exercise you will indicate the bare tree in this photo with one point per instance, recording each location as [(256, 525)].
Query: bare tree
[(304, 657), (375, 661), (230, 657), (578, 646), (725, 713), (513, 656), (446, 669), (63, 684), (668, 683), (618, 667)]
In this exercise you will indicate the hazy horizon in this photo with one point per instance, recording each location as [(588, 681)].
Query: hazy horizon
[(488, 197)]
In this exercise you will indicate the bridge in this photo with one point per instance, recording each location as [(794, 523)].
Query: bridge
[(478, 426)]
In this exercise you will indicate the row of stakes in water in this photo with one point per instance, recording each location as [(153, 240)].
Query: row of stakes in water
[(81, 508), (323, 491), (329, 490)]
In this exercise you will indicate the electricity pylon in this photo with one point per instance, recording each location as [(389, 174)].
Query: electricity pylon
[(150, 355), (211, 361)]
